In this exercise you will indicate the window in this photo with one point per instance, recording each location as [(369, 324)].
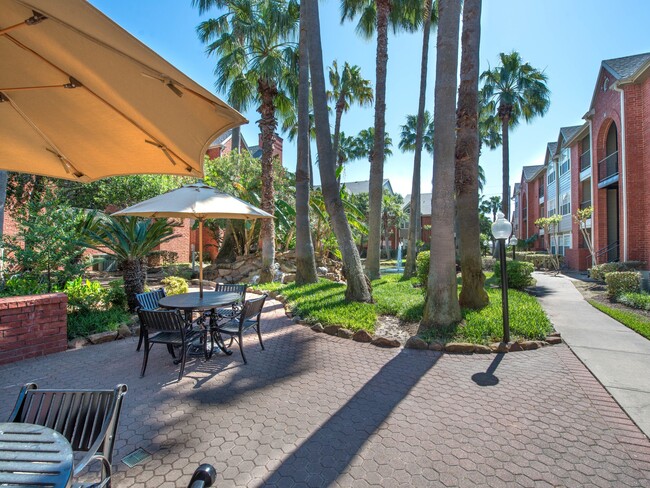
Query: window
[(585, 153), (551, 209), (585, 199), (540, 184), (565, 166), (565, 207), (551, 174)]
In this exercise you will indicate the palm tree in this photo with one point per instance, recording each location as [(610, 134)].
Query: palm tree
[(375, 16), (491, 206), (365, 142), (129, 240), (305, 259), (392, 215), (472, 294), (408, 133), (513, 90), (348, 150), (348, 87), (430, 18), (257, 64), (441, 307), (358, 288)]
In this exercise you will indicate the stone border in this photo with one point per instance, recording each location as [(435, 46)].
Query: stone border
[(414, 342)]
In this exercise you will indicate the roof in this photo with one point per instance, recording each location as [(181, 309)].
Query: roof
[(425, 203), (516, 190), (356, 187), (223, 138), (530, 172), (627, 66), (256, 151), (568, 132), (551, 148)]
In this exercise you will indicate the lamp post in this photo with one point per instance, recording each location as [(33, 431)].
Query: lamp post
[(501, 230), (513, 243)]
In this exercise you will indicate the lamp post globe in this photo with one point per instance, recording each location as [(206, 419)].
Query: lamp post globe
[(513, 242), (501, 230)]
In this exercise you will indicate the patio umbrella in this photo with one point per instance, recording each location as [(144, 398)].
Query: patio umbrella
[(200, 202), (82, 99)]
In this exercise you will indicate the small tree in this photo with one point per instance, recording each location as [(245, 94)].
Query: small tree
[(581, 216), (550, 226)]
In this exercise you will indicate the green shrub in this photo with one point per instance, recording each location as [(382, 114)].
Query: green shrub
[(488, 263), (520, 274), (599, 271), (85, 295), (116, 295), (422, 267), (82, 324), (541, 260), (21, 285), (635, 300), (175, 285), (619, 282)]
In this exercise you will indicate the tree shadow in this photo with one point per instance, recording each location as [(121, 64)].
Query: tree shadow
[(331, 448), (488, 378)]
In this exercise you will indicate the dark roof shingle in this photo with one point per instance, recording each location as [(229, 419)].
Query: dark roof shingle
[(531, 171), (626, 66)]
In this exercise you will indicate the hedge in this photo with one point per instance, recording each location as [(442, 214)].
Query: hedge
[(635, 300), (541, 260), (520, 274), (599, 271), (422, 267), (619, 282)]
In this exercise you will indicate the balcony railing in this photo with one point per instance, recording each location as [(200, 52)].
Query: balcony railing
[(608, 167), (541, 192), (585, 204), (585, 161)]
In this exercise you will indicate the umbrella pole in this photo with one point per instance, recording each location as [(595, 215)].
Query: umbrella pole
[(200, 258)]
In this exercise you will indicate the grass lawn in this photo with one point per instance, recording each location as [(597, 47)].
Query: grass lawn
[(324, 302), (629, 319)]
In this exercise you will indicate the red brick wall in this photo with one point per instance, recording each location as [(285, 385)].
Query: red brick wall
[(32, 326), (181, 244), (529, 197)]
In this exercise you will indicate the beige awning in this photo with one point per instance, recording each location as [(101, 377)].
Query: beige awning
[(82, 99)]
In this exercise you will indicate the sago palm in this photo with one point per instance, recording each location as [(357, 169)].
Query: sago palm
[(254, 41), (513, 91)]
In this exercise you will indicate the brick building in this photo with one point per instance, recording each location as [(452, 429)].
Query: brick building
[(604, 163)]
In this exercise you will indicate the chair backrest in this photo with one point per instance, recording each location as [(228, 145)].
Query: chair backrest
[(161, 320), (149, 300), (252, 309), (227, 287), (86, 418)]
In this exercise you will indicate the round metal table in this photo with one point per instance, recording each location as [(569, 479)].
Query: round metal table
[(193, 302), (32, 455)]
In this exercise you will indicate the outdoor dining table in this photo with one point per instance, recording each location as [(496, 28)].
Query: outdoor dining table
[(33, 455), (194, 302)]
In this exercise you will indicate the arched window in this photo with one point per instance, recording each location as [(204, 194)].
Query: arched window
[(608, 166)]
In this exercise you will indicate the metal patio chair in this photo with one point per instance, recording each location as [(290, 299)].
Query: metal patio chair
[(86, 418), (233, 311), (249, 317), (148, 301)]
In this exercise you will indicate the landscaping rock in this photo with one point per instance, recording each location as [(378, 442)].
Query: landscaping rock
[(555, 334), (459, 347), (481, 349), (322, 270), (529, 345), (554, 340), (362, 336), (514, 346), (385, 342), (317, 328), (332, 330), (415, 342), (436, 346), (102, 337), (123, 331), (499, 347), (345, 333), (135, 330), (77, 343), (288, 278), (279, 298)]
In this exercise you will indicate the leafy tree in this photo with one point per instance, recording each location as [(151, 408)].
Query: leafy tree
[(551, 225), (392, 216), (408, 134), (129, 240), (491, 206), (514, 90), (375, 17), (582, 216), (364, 145), (441, 307), (45, 246), (257, 63)]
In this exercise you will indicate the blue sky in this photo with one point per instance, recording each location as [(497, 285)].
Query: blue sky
[(566, 39)]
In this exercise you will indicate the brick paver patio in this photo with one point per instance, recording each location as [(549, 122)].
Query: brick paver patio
[(315, 410)]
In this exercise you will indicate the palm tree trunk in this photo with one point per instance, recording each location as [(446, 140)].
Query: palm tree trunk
[(305, 260), (377, 162), (441, 307), (505, 147), (133, 282), (337, 129), (268, 124), (415, 220), (358, 289), (311, 166), (472, 294)]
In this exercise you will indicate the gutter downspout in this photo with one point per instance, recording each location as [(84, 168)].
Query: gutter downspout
[(594, 187), (623, 172)]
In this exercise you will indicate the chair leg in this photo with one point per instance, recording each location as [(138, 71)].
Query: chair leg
[(184, 351), (141, 338), (147, 347), (259, 335), (240, 341), (170, 350)]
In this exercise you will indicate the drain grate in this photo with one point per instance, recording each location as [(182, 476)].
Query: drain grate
[(136, 457)]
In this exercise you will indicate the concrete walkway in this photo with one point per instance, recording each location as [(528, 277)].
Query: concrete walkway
[(616, 355)]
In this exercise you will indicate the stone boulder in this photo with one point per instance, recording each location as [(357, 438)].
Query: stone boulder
[(415, 342), (332, 329), (385, 342), (499, 347), (460, 347), (345, 333), (362, 336), (554, 340), (102, 337), (481, 349), (317, 328), (436, 346)]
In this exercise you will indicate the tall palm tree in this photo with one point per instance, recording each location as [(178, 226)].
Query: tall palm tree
[(376, 16), (358, 288), (348, 150), (514, 90), (348, 87), (305, 259), (472, 294), (408, 133), (430, 16), (441, 307), (491, 206), (129, 240), (365, 143), (254, 41)]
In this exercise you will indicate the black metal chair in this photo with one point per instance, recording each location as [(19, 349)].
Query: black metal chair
[(166, 327), (249, 317), (86, 418), (204, 476), (148, 301)]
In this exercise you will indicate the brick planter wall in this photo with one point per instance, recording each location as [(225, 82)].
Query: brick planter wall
[(32, 326)]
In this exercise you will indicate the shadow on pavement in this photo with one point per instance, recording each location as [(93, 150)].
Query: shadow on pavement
[(488, 378)]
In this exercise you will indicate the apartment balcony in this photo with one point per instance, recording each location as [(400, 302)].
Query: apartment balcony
[(585, 161), (608, 170), (585, 204)]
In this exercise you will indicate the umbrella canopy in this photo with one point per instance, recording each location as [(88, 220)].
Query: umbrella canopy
[(198, 201), (82, 99)]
